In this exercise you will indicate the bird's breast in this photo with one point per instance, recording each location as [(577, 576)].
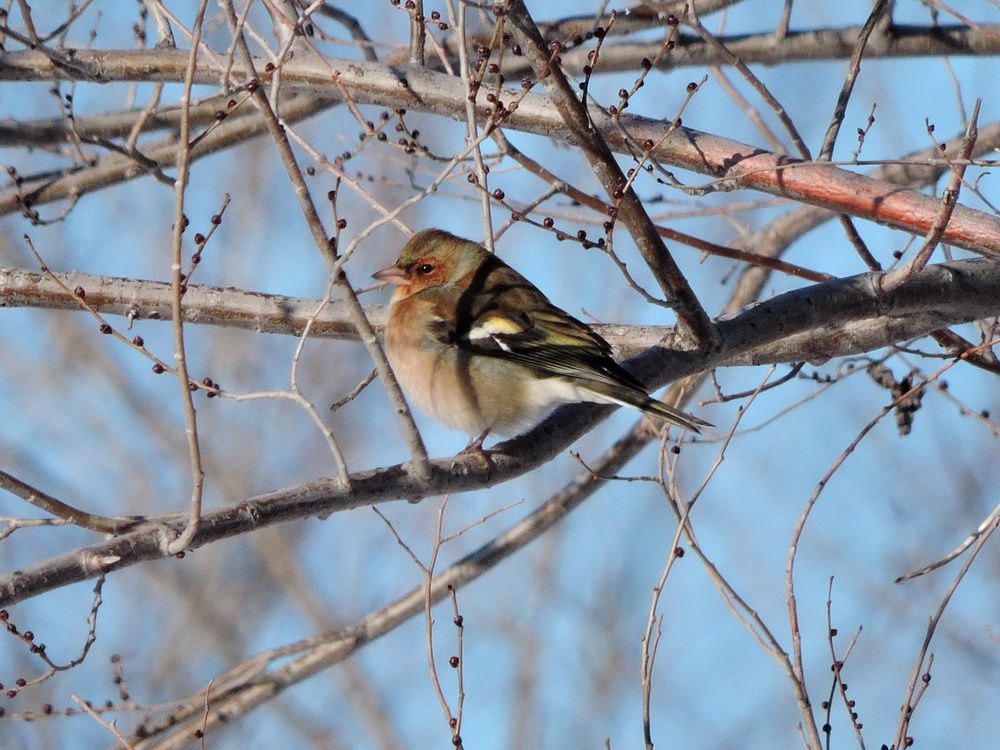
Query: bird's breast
[(465, 391)]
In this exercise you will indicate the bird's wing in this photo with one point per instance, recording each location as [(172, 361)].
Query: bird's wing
[(548, 340), (504, 315)]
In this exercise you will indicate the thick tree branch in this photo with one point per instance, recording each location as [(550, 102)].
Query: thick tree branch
[(731, 163), (226, 307), (807, 46), (837, 318)]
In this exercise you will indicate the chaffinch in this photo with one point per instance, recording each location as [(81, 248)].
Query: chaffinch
[(479, 348)]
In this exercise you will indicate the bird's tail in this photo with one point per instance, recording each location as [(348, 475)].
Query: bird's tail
[(651, 407), (659, 410)]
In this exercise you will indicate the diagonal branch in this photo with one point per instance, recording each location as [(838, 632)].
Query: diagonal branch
[(949, 199), (329, 254), (690, 314), (840, 110)]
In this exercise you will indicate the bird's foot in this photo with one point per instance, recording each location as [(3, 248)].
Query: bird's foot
[(475, 448)]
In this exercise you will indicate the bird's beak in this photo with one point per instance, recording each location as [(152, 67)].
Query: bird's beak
[(392, 275)]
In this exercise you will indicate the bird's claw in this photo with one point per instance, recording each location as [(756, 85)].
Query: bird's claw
[(475, 448)]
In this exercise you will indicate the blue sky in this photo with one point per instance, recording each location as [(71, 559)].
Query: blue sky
[(88, 422)]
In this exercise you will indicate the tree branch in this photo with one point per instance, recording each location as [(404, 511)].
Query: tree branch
[(731, 163), (629, 209), (837, 318), (807, 45)]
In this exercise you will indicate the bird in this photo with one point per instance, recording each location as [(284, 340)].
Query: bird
[(482, 350)]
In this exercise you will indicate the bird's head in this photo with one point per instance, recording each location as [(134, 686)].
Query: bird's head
[(432, 258)]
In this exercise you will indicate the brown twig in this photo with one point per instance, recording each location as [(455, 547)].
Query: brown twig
[(59, 509), (985, 527), (721, 399), (949, 199), (919, 673), (367, 334), (793, 546), (110, 726), (837, 664), (183, 540), (840, 109)]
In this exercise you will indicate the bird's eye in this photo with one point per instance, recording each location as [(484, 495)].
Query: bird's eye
[(424, 268)]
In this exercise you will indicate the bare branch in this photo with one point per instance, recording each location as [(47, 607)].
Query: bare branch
[(731, 163), (62, 510), (630, 210), (828, 320), (901, 41), (830, 139)]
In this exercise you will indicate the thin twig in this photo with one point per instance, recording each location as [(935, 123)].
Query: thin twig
[(840, 109), (173, 546), (793, 546), (723, 398), (472, 128), (110, 726), (837, 664), (909, 704), (682, 510), (986, 527), (62, 510), (418, 452), (949, 199)]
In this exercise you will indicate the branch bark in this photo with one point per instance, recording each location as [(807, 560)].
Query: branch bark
[(807, 45), (837, 318), (732, 164), (629, 209)]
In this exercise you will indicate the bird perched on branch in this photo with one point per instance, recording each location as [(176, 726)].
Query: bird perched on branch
[(479, 348)]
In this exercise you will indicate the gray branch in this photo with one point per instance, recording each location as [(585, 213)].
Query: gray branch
[(730, 163), (837, 318)]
